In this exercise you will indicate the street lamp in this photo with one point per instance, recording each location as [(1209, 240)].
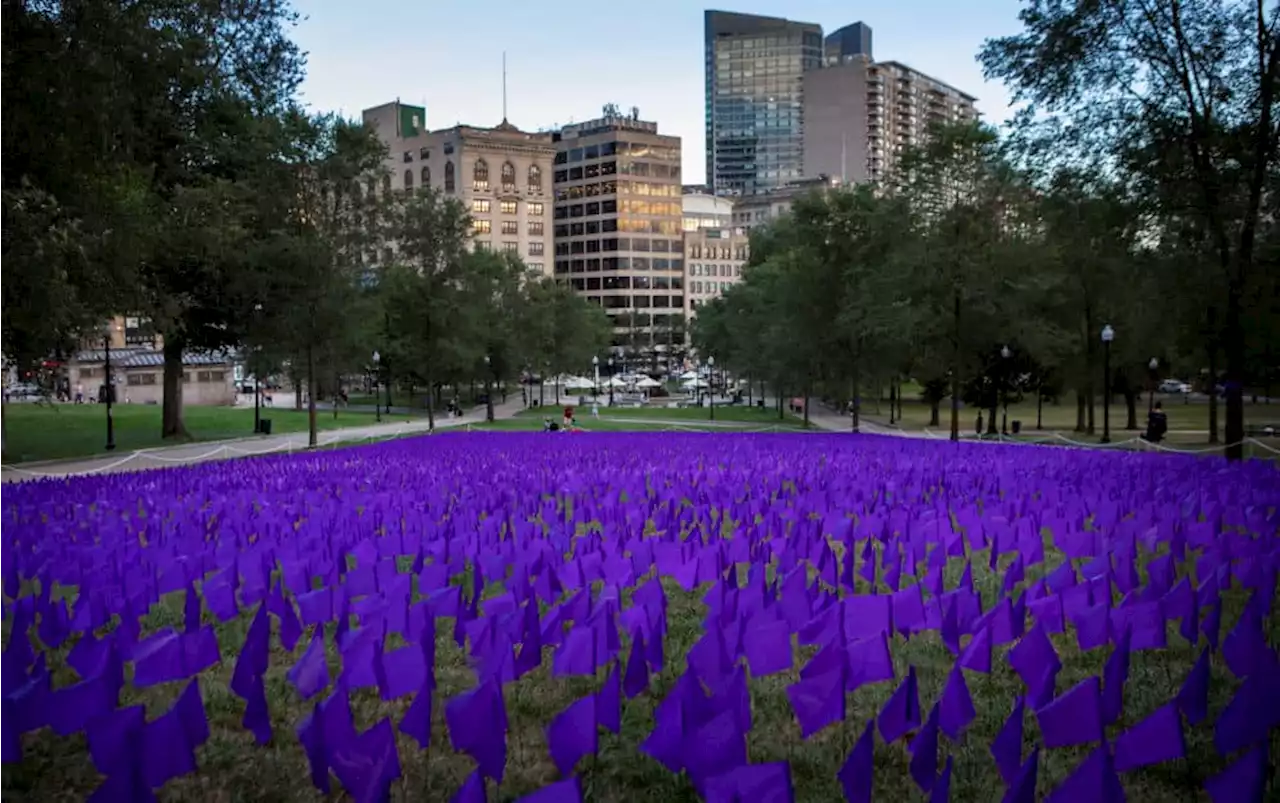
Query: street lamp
[(1005, 354), (377, 386), (611, 382), (107, 331), (1152, 367), (711, 390), (1108, 334), (257, 382), (595, 364)]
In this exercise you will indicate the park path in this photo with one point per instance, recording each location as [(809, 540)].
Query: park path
[(203, 451)]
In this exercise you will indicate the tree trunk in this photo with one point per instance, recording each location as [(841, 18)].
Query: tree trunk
[(955, 369), (892, 409), (312, 440), (899, 383), (934, 404), (1091, 398), (1234, 346), (4, 422), (1080, 411), (1213, 394), (171, 424), (853, 398), (1131, 402), (808, 393), (431, 398), (992, 414), (780, 413), (337, 388), (297, 393)]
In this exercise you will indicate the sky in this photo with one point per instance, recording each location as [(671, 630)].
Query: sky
[(566, 61)]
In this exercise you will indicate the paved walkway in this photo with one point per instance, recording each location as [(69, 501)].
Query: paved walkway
[(242, 447)]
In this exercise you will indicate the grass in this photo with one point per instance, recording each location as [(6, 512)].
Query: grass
[(523, 423), (1192, 417), (763, 417), (40, 432)]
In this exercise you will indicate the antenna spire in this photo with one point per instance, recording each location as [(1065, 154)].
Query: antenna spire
[(504, 86)]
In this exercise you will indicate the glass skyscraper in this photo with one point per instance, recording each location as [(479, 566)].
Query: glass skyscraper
[(754, 100)]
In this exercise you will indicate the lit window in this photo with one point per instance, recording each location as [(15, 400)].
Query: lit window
[(508, 177), (535, 209), (449, 184), (481, 226), (480, 207), (508, 207), (480, 176), (536, 249), (535, 177)]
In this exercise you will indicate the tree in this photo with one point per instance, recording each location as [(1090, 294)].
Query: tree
[(1181, 96)]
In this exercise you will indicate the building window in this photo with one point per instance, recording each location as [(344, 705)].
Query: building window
[(511, 248), (408, 157), (510, 227), (424, 154), (535, 209), (480, 206), (448, 148), (536, 267), (426, 176), (481, 226), (218, 376), (202, 376), (134, 380), (186, 377), (408, 180), (508, 207), (508, 177), (480, 176), (536, 249), (535, 178), (535, 228), (449, 185)]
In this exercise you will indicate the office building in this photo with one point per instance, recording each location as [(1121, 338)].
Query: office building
[(759, 210), (502, 175), (861, 114), (715, 257), (618, 225), (705, 211), (754, 99)]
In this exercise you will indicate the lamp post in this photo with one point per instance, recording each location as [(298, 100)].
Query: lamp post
[(111, 424), (488, 391), (1004, 389), (711, 391), (257, 382), (610, 381), (1152, 367), (1108, 334), (377, 386), (595, 365)]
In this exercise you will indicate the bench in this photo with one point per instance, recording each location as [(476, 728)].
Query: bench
[(1261, 430)]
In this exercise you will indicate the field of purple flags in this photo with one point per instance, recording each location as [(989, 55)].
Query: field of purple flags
[(730, 618)]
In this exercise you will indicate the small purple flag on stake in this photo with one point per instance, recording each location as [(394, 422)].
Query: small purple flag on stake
[(977, 654), (310, 675), (1006, 748), (1033, 655), (1094, 780), (1023, 788), (901, 713), (858, 771), (636, 678), (1245, 781), (752, 783), (1075, 717), (1252, 713), (573, 734), (1156, 739), (477, 723), (1115, 675), (768, 648), (191, 610), (609, 702), (1193, 697), (956, 705), (924, 753), (941, 792), (818, 701), (472, 790), (257, 718)]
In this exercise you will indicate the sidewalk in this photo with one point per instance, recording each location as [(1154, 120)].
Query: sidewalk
[(243, 447)]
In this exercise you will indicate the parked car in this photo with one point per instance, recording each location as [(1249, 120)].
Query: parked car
[(24, 390), (1174, 386)]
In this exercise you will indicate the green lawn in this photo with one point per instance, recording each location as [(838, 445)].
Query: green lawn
[(1062, 417), (523, 423), (764, 417), (40, 432)]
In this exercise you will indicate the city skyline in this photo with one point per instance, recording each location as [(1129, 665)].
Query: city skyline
[(356, 59)]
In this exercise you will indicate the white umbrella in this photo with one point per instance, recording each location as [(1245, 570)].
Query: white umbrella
[(648, 382), (618, 382), (578, 383), (688, 376), (694, 383)]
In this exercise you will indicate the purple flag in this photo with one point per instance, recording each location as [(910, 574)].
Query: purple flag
[(752, 783), (858, 771), (1156, 739), (636, 678), (924, 753), (768, 648), (1075, 717), (901, 713), (1245, 781), (477, 723), (1023, 788), (572, 734), (956, 705), (310, 675), (977, 654), (818, 701), (941, 792), (472, 790), (609, 702), (1115, 675), (1094, 780), (1033, 656), (1006, 748)]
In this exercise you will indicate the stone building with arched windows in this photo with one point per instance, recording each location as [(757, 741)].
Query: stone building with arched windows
[(502, 175)]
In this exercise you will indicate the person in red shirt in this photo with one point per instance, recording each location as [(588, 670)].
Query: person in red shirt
[(568, 416)]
